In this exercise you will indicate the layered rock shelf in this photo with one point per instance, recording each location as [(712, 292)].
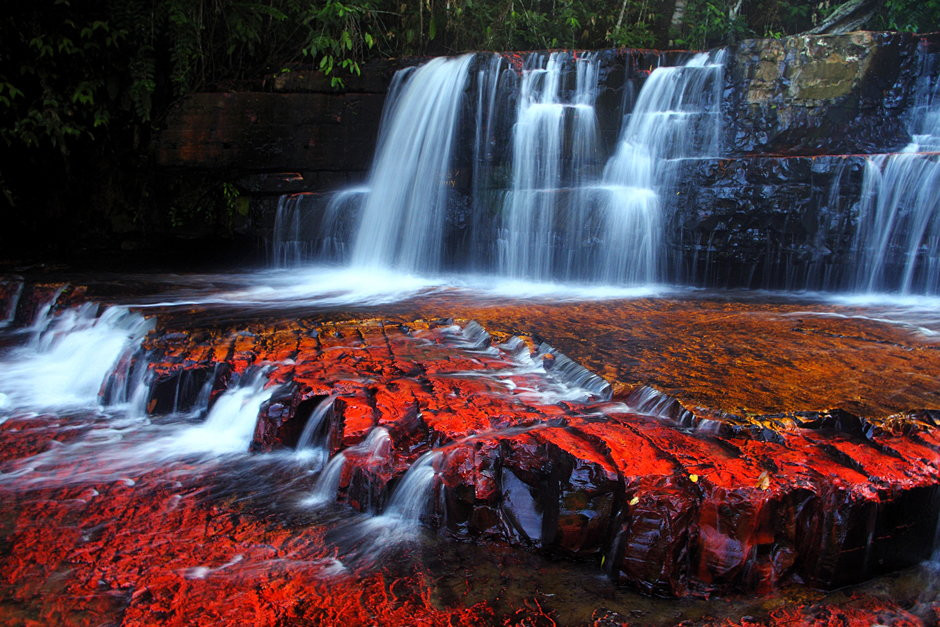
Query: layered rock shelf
[(527, 448), (829, 498)]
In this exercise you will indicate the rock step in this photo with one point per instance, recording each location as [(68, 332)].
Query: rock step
[(663, 503)]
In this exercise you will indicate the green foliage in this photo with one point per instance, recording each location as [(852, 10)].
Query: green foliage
[(909, 15), (450, 26), (711, 23), (53, 90)]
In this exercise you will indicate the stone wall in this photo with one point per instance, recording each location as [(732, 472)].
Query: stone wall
[(293, 132), (801, 115)]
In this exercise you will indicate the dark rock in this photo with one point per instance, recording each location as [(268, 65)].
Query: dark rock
[(765, 222), (820, 94), (257, 131)]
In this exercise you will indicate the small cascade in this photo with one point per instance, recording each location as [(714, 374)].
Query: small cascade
[(130, 383), (44, 316), (231, 422), (308, 227), (374, 448), (309, 437), (365, 541), (676, 116), (409, 501), (403, 214), (897, 244), (649, 401), (472, 336), (71, 355), (897, 241), (328, 482), (555, 153), (7, 317), (577, 382)]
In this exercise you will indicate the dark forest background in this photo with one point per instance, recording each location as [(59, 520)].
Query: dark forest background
[(86, 84)]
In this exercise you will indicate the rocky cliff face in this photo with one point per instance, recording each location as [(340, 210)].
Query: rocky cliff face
[(776, 211), (819, 95), (295, 122)]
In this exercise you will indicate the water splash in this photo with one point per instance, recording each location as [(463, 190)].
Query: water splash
[(70, 356)]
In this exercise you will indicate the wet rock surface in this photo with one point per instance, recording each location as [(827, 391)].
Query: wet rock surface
[(667, 497), (765, 222), (821, 94), (675, 505)]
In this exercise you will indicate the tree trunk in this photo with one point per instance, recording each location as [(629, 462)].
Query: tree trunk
[(848, 16)]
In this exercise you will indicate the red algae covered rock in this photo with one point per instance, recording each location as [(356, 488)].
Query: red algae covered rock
[(669, 499), (670, 502)]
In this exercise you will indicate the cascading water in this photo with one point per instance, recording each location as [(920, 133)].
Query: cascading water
[(489, 166), (231, 421), (70, 355), (410, 500), (8, 316), (308, 227), (544, 205), (897, 241), (314, 424), (676, 117), (403, 214), (555, 152)]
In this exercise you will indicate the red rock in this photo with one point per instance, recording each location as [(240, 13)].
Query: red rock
[(671, 511)]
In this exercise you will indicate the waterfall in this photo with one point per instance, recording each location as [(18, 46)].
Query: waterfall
[(308, 227), (897, 244), (493, 80), (544, 200), (897, 241), (676, 116), (554, 149), (489, 165), (403, 214)]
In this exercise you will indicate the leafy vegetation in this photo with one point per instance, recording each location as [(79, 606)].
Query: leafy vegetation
[(84, 84)]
